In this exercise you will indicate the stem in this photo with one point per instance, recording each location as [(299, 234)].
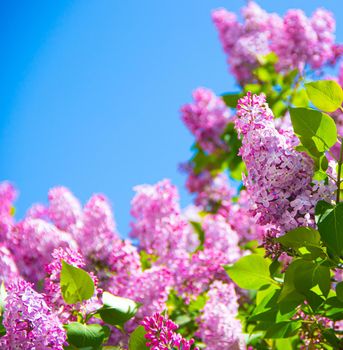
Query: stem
[(339, 174)]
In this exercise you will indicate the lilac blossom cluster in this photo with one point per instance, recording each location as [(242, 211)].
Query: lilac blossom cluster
[(29, 322), (206, 118), (87, 238), (279, 178), (161, 335), (296, 39), (218, 326)]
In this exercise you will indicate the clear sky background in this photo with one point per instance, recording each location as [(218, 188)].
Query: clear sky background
[(90, 91)]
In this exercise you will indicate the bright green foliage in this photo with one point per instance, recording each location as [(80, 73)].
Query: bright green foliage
[(116, 310), (326, 95), (250, 272), (76, 284), (82, 336), (330, 225), (137, 340), (317, 131)]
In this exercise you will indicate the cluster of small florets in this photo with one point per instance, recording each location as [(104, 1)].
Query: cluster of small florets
[(161, 335), (279, 178), (7, 197), (296, 39), (206, 118), (32, 241), (29, 322), (159, 225), (212, 192), (8, 267), (218, 326)]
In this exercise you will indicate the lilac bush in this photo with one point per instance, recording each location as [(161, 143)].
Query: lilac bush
[(254, 263)]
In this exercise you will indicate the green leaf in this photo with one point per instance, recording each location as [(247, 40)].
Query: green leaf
[(300, 237), (137, 340), (86, 336), (289, 291), (316, 130), (300, 99), (326, 95), (330, 226), (198, 304), (267, 308), (250, 272), (339, 291), (76, 284), (283, 330), (284, 343), (200, 232), (117, 310), (231, 100), (322, 277)]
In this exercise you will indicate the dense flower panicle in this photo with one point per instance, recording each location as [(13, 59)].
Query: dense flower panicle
[(243, 222), (279, 178), (98, 233), (195, 274), (29, 322), (8, 268), (161, 335), (32, 241), (218, 327), (206, 118), (149, 287), (212, 192), (159, 225), (64, 209), (7, 196), (38, 211), (340, 75), (221, 238), (324, 25), (297, 39), (243, 43), (124, 263)]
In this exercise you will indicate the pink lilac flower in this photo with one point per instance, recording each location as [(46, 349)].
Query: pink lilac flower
[(159, 225), (296, 39), (279, 178), (218, 327), (161, 335), (8, 268), (243, 222), (149, 287), (244, 43), (124, 264), (29, 322), (37, 211), (98, 234), (206, 118), (213, 192), (340, 75), (324, 25), (7, 196), (32, 241), (194, 275), (221, 238), (64, 209)]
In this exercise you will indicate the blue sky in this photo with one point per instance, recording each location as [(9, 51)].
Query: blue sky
[(90, 91)]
